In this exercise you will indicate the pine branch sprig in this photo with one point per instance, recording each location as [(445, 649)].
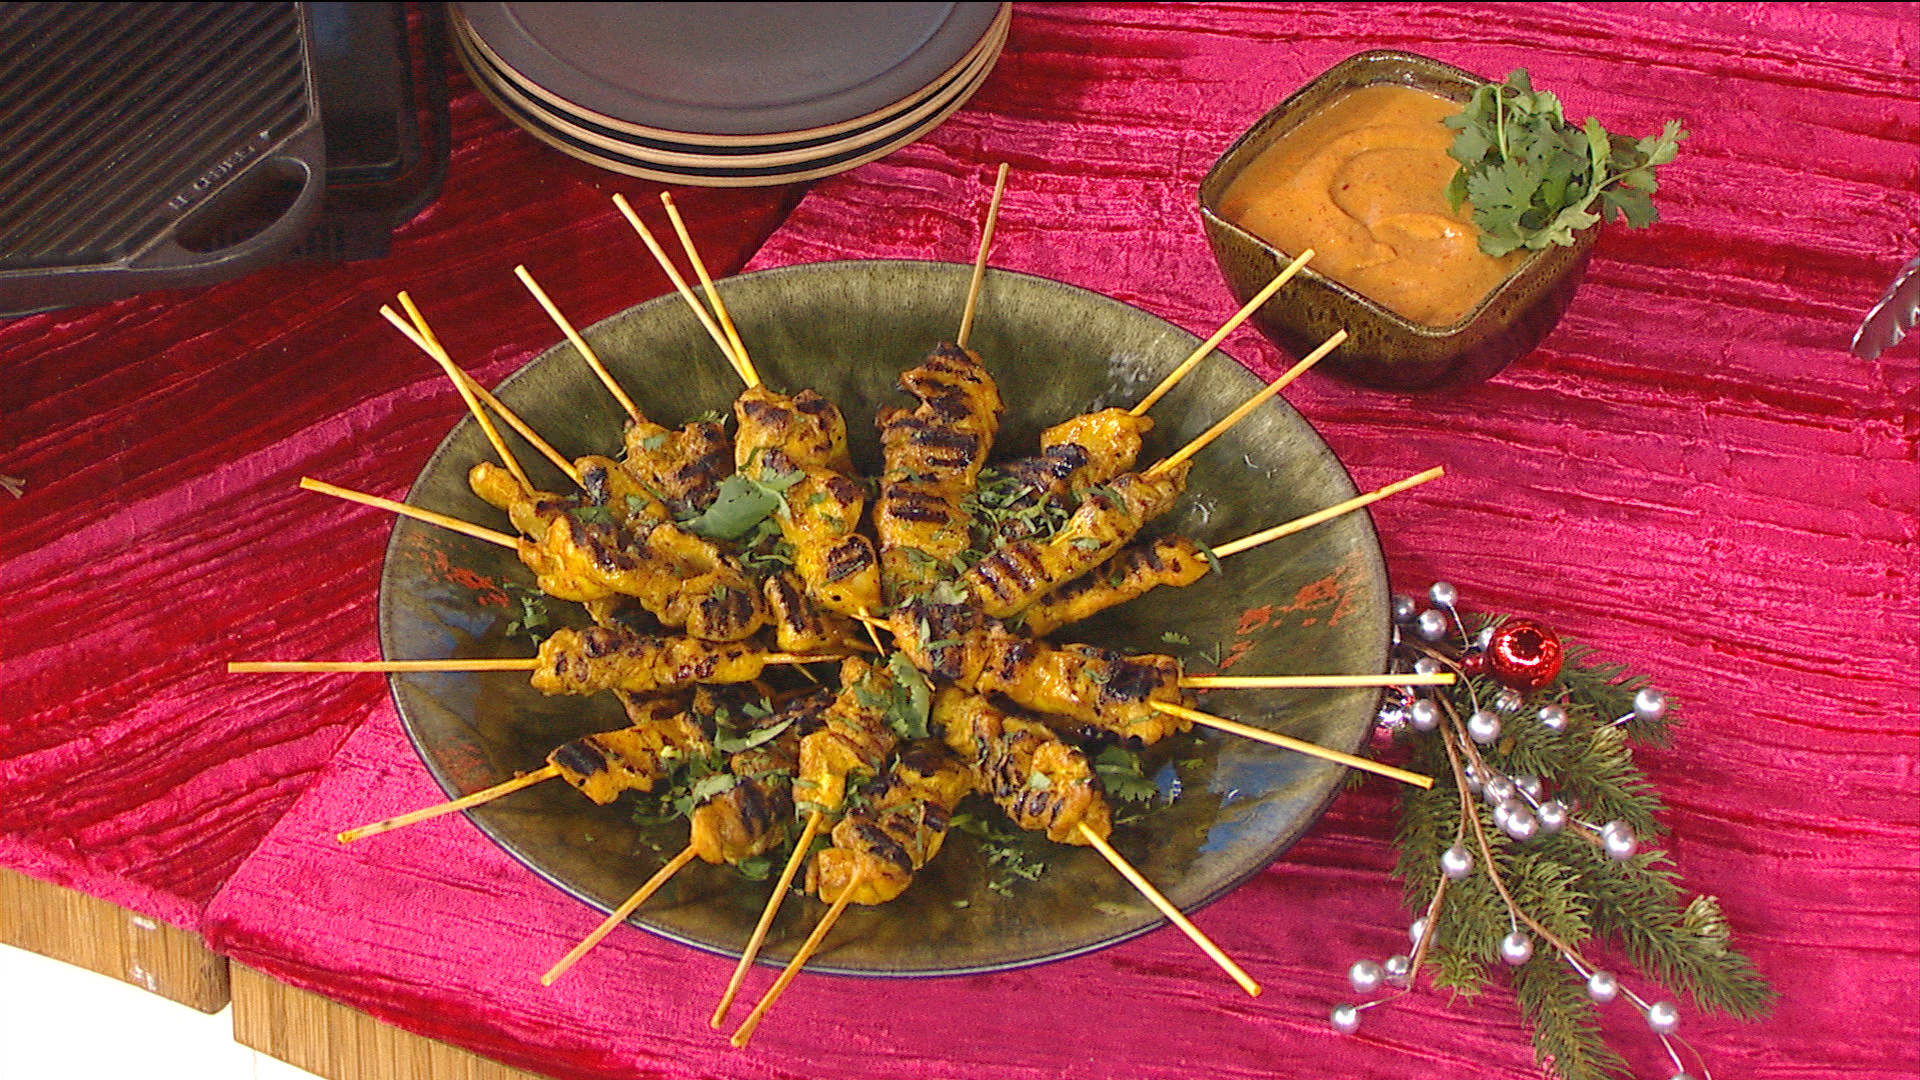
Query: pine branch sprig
[(1536, 895)]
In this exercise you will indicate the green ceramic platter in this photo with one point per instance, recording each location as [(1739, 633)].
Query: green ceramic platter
[(1313, 602)]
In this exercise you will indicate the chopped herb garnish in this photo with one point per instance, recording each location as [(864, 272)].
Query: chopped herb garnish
[(1174, 637)]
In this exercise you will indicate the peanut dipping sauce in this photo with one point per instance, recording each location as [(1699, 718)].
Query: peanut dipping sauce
[(1363, 182)]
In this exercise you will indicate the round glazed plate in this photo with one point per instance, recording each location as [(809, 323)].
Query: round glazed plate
[(1313, 602), (730, 69)]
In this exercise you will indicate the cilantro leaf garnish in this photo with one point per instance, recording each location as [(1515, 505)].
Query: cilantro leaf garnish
[(1535, 180), (740, 503)]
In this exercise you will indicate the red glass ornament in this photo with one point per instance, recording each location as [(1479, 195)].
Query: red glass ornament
[(1524, 654), (1473, 663)]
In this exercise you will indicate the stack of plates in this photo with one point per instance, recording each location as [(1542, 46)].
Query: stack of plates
[(729, 95)]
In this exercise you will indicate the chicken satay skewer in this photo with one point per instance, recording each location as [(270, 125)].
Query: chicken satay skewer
[(511, 663), (1176, 561), (742, 362), (486, 398), (1173, 914), (579, 343), (807, 948), (1288, 742), (686, 293), (432, 348), (980, 260), (1174, 459), (1206, 347), (619, 914)]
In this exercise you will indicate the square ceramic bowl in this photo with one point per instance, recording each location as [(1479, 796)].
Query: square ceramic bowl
[(1384, 350)]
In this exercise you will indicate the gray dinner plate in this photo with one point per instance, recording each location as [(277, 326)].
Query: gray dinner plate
[(731, 69)]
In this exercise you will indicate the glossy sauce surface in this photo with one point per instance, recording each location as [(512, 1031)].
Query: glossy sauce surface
[(1363, 182)]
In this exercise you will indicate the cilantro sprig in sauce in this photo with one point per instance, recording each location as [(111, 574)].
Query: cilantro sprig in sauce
[(1535, 180)]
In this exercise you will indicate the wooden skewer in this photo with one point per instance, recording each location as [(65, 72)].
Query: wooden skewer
[(465, 528), (980, 259), (485, 795), (1166, 907), (526, 431), (579, 343), (1288, 742), (431, 347), (619, 915), (1251, 404), (1206, 348), (1313, 682), (486, 398), (799, 856), (255, 667), (807, 949), (742, 362), (1310, 520), (660, 255)]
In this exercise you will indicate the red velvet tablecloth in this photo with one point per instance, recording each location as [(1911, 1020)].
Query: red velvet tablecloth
[(1691, 474), (160, 533)]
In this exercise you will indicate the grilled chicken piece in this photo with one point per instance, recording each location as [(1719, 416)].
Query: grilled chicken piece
[(629, 503), (682, 579), (855, 738), (1076, 454), (600, 658), (899, 831), (806, 427), (682, 466), (799, 624), (1110, 438), (820, 519), (1017, 574), (753, 816), (1042, 783), (631, 759), (1137, 570), (1091, 686), (933, 454)]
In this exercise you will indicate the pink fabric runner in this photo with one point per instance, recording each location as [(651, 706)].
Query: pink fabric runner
[(1691, 474)]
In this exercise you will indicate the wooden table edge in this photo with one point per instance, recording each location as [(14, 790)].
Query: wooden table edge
[(103, 937)]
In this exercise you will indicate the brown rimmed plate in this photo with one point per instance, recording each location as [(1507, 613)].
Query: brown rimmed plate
[(1314, 602)]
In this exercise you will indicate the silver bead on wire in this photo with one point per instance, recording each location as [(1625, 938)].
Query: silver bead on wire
[(1484, 638), (1553, 816), (1431, 624), (1516, 948), (1509, 701), (1444, 594), (1417, 931), (1346, 1019), (1503, 813), (1619, 840), (1366, 976), (1529, 786), (1399, 969), (1649, 705), (1521, 824), (1663, 1017), (1553, 718), (1473, 781), (1404, 609), (1424, 715), (1427, 665), (1456, 862), (1602, 987), (1497, 790), (1483, 726)]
